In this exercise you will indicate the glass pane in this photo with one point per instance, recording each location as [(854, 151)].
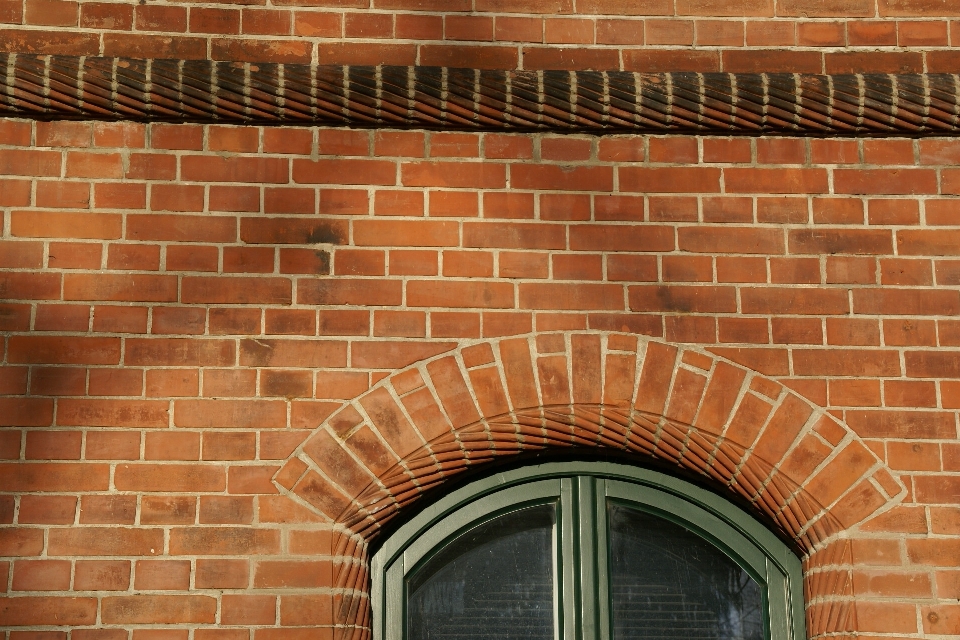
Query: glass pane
[(668, 582), (495, 582)]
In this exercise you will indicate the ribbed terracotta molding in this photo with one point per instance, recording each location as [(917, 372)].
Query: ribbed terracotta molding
[(87, 88)]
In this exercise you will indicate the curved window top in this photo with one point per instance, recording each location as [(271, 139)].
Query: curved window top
[(585, 551)]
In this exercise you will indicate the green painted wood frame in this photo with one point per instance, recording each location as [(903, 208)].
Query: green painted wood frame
[(580, 491)]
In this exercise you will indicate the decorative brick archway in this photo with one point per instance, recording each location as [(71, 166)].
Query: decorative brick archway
[(807, 475)]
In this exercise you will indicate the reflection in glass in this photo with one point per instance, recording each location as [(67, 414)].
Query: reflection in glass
[(667, 582), (494, 582)]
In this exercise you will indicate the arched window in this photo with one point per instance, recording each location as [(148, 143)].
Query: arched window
[(585, 551)]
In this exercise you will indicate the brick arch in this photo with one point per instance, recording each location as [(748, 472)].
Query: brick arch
[(807, 475)]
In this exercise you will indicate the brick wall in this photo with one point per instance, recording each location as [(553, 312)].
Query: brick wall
[(183, 305), (833, 36), (184, 309)]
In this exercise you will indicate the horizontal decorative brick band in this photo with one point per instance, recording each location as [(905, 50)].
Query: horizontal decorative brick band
[(93, 88)]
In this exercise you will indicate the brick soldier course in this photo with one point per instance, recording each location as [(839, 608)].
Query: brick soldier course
[(234, 353)]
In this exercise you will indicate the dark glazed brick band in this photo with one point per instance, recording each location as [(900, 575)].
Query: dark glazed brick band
[(89, 88)]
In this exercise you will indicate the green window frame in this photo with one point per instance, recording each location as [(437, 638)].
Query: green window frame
[(580, 491)]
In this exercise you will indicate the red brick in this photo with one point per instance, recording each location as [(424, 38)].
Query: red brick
[(108, 509), (668, 180), (833, 241), (410, 144), (669, 32), (885, 181), (119, 134), (159, 18), (158, 609), (58, 381), (497, 146), (455, 174), (927, 242), (103, 445), (63, 195), (564, 207), (181, 228), (846, 362), (147, 288), (167, 509), (168, 575), (398, 203), (61, 317), (74, 255), (821, 34), (47, 509), (571, 296), (691, 329), (102, 575), (176, 136), (454, 325), (465, 294), (234, 198), (65, 225), (459, 204), (394, 354), (909, 332), (192, 258), (346, 171), (224, 290), (471, 56), (248, 259), (795, 270), (208, 20), (673, 209), (467, 264), (851, 331), (35, 41), (230, 413), (15, 193), (615, 31), (21, 254), (508, 205), (924, 8), (350, 291), (255, 50), (524, 265), (266, 22), (36, 610), (172, 446), (134, 257), (222, 574), (106, 541), (528, 236), (803, 181), (873, 32), (729, 240), (618, 208), (906, 301), (417, 27), (618, 238), (292, 231)]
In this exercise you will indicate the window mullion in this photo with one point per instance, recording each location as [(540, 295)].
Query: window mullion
[(602, 556), (587, 558), (566, 565)]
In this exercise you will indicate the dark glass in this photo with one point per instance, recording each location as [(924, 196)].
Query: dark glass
[(667, 582), (494, 582)]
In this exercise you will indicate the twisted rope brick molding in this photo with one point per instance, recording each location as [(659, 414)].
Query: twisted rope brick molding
[(67, 87), (806, 474)]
